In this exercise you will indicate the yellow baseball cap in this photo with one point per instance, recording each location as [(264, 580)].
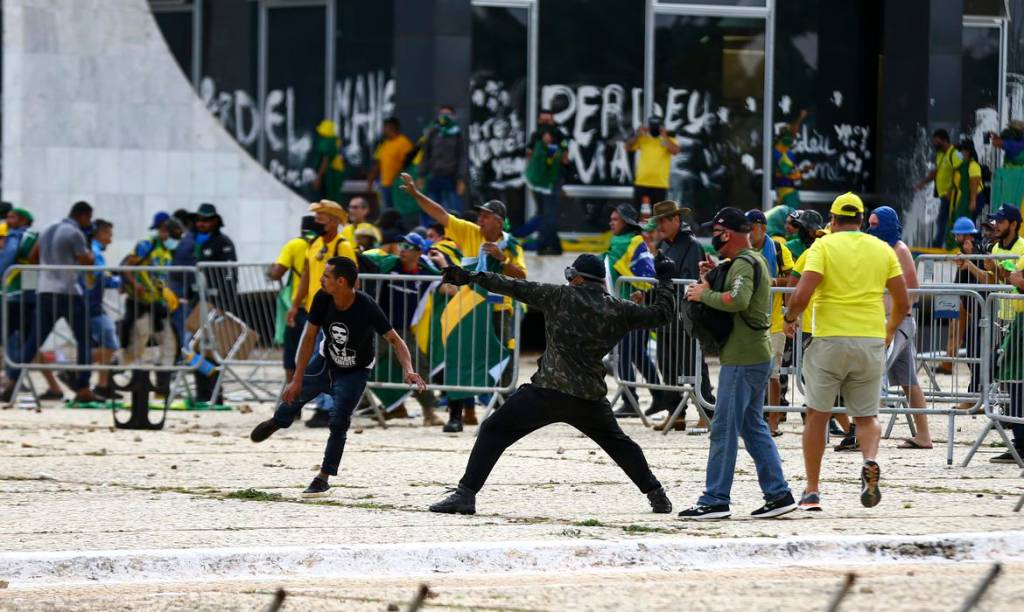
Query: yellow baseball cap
[(847, 205)]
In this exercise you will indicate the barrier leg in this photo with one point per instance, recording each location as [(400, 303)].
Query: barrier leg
[(950, 434), (139, 418), (910, 424), (889, 426), (1020, 502), (977, 444), (675, 414)]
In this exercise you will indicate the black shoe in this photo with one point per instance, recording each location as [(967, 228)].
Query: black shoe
[(1007, 457), (264, 430), (106, 393), (778, 507), (835, 430), (625, 411), (660, 503), (870, 474), (7, 393), (453, 426), (320, 418), (657, 407), (51, 395), (848, 444), (700, 512), (317, 488), (461, 501)]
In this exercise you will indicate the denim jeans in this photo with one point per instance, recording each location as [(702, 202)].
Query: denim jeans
[(346, 388), (739, 412), (50, 308), (550, 212), (441, 189), (940, 225)]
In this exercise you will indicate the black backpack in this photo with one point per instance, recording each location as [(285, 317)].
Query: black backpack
[(711, 327)]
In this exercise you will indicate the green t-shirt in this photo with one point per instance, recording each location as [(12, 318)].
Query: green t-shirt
[(751, 305)]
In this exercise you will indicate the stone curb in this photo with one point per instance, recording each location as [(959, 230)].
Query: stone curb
[(28, 569)]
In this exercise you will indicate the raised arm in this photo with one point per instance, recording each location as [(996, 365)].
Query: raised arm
[(434, 210), (660, 312)]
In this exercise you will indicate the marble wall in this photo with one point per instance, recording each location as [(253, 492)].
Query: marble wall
[(95, 108)]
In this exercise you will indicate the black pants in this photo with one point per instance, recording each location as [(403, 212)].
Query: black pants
[(653, 194), (530, 408)]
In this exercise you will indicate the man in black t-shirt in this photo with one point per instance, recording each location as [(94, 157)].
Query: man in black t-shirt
[(351, 321)]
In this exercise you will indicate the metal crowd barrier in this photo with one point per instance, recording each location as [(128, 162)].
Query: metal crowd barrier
[(463, 341), (665, 360), (243, 328), (55, 319), (942, 269), (1003, 371)]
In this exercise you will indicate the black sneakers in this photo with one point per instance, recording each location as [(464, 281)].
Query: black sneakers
[(700, 512), (848, 444), (453, 426), (320, 418), (264, 430), (660, 503), (625, 411), (1006, 457), (778, 507), (461, 501), (870, 474), (810, 501), (317, 488)]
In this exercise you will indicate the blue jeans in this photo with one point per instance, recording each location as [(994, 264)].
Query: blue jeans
[(739, 412), (550, 211), (345, 388), (441, 189), (50, 308)]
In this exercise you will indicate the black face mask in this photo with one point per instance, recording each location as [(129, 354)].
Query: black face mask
[(655, 128), (318, 229), (717, 242)]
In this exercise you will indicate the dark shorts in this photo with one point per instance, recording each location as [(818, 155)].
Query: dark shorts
[(292, 335), (654, 195)]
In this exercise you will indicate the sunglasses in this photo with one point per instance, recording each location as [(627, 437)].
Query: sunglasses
[(405, 246)]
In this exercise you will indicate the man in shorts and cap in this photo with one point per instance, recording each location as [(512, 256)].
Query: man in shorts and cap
[(851, 333), (582, 323)]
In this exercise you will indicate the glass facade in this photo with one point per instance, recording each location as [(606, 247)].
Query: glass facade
[(979, 103), (709, 90), (498, 119)]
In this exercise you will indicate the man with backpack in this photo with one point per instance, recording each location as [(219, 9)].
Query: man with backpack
[(947, 162), (740, 287)]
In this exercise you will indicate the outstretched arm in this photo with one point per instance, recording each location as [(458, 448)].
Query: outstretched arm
[(405, 359), (659, 313), (434, 210), (539, 295)]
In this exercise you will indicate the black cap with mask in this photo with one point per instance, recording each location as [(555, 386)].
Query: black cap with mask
[(588, 267)]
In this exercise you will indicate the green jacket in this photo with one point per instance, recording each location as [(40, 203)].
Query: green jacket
[(752, 307)]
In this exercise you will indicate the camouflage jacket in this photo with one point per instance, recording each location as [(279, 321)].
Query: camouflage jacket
[(581, 325)]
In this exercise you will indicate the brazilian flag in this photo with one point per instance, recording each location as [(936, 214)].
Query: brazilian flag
[(474, 355)]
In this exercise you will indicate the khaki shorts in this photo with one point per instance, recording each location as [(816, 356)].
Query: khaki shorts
[(850, 366), (778, 348)]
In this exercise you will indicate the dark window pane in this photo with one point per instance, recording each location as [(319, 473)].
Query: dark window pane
[(229, 64), (987, 8), (364, 87), (760, 3), (296, 61), (176, 26), (498, 90), (980, 102), (826, 62), (709, 85)]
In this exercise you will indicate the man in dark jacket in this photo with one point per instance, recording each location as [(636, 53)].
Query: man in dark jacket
[(676, 357), (582, 324), (212, 245), (445, 164)]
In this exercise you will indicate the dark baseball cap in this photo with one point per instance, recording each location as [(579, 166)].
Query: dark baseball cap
[(1007, 212), (494, 207), (730, 218), (755, 215), (588, 266)]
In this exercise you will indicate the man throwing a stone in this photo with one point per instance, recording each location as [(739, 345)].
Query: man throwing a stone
[(582, 324)]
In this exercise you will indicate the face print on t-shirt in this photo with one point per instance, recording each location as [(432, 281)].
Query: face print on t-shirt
[(337, 348)]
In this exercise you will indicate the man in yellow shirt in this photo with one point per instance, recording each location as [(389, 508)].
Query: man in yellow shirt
[(486, 247), (292, 261), (851, 333), (389, 159), (655, 148), (329, 215), (947, 161)]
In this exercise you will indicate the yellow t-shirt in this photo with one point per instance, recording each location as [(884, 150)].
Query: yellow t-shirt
[(293, 258), (467, 235), (785, 267), (945, 166), (806, 319), (1009, 308), (391, 155), (653, 162), (316, 259), (855, 268)]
